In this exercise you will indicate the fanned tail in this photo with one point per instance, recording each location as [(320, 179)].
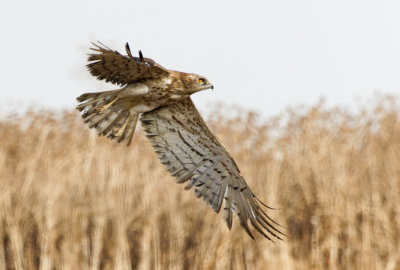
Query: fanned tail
[(99, 111)]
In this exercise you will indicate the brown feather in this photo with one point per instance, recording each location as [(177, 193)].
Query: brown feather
[(217, 179), (111, 66)]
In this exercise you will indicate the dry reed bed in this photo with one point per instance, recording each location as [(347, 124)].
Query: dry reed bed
[(71, 200)]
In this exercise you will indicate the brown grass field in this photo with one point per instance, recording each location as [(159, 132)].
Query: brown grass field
[(72, 200)]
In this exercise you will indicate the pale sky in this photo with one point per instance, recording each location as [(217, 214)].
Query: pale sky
[(261, 55)]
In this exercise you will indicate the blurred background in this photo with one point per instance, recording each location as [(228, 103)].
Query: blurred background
[(306, 100), (261, 55)]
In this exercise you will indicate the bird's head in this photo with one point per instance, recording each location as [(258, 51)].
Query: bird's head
[(200, 83), (190, 83)]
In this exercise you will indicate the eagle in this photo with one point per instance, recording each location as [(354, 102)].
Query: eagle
[(191, 153)]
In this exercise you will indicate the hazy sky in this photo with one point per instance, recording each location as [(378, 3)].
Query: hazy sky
[(263, 55)]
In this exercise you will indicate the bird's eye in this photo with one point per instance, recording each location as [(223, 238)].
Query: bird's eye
[(202, 81)]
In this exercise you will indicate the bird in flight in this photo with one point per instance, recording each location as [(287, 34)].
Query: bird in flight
[(185, 145)]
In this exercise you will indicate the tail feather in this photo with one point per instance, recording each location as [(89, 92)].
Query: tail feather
[(103, 112), (98, 118), (118, 125), (130, 128), (88, 97), (105, 127)]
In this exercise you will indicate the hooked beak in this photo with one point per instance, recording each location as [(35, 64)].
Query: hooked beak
[(210, 86), (205, 87)]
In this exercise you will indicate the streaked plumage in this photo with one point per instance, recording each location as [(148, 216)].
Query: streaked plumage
[(179, 135)]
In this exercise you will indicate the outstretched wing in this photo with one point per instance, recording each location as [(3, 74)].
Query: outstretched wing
[(194, 155), (110, 65)]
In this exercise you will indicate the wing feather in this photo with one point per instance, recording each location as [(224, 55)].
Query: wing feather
[(111, 66), (193, 154)]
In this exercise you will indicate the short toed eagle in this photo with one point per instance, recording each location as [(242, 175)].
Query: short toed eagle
[(179, 135)]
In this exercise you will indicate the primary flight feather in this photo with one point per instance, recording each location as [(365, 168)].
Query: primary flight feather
[(178, 134)]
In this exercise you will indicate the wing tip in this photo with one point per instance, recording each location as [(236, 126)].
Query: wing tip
[(141, 57)]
